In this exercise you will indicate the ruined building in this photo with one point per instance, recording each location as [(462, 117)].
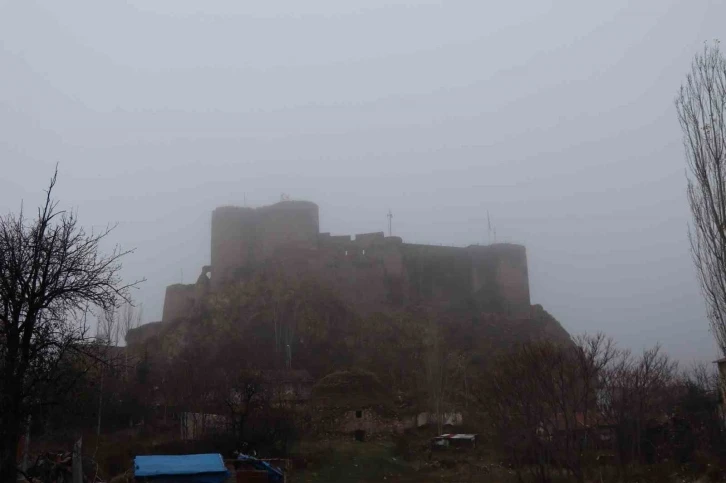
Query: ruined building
[(370, 271)]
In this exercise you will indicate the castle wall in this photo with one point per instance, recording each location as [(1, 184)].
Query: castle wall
[(499, 277), (365, 240), (179, 301), (369, 270), (513, 276), (233, 234), (284, 224), (366, 270), (141, 334), (245, 237), (436, 274)]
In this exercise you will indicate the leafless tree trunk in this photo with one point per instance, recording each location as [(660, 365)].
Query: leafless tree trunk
[(701, 105), (635, 393), (240, 394), (51, 273), (515, 398), (131, 319), (109, 327)]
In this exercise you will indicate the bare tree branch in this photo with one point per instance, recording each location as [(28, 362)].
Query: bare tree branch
[(51, 274), (701, 105)]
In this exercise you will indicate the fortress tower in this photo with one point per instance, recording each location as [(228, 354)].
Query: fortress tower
[(245, 237)]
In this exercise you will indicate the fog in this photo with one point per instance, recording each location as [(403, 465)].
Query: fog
[(555, 117)]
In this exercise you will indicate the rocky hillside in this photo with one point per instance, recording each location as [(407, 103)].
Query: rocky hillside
[(269, 322)]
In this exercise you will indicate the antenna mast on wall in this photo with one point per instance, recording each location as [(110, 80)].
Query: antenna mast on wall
[(390, 219)]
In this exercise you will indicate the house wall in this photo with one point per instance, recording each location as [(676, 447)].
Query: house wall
[(371, 422)]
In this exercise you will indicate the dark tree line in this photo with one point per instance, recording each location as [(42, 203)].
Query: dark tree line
[(556, 407), (53, 274)]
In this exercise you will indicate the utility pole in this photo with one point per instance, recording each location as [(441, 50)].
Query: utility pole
[(390, 219), (100, 403)]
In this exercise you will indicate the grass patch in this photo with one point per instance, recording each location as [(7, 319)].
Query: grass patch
[(347, 461)]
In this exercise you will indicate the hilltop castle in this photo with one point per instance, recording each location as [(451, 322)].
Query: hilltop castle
[(370, 271)]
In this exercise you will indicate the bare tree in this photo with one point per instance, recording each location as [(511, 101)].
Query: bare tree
[(130, 319), (107, 333), (701, 105), (515, 396), (439, 370), (112, 324), (115, 324), (109, 327), (637, 393), (542, 399), (240, 392), (698, 422), (51, 274)]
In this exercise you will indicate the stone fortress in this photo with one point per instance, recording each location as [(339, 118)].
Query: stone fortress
[(370, 271)]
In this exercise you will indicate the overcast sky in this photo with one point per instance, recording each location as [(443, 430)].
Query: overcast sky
[(555, 116)]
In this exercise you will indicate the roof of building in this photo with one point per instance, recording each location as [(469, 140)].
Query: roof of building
[(459, 436), (189, 464)]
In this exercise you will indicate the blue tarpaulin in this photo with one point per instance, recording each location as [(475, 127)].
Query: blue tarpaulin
[(198, 468)]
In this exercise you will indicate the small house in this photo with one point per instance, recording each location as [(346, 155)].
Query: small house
[(356, 403)]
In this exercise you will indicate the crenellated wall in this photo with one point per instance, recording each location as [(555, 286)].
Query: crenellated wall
[(370, 270)]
